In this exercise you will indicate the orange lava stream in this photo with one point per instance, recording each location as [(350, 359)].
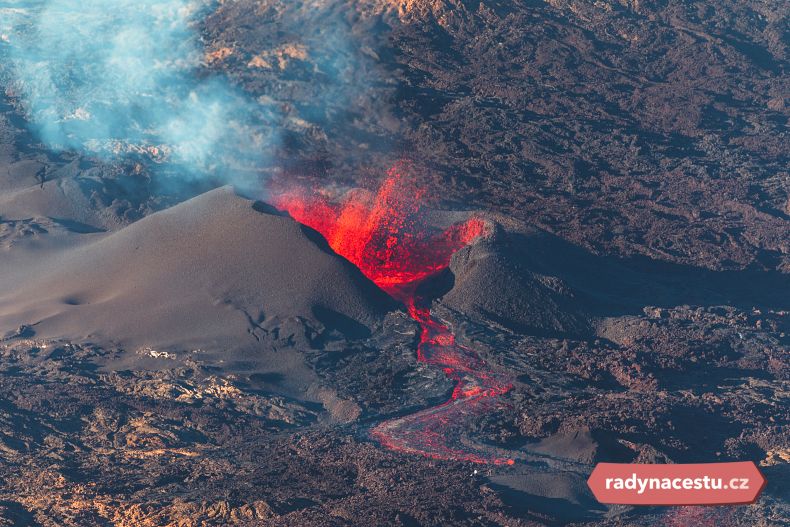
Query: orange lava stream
[(381, 234)]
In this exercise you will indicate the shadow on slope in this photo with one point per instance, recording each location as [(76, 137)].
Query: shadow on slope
[(536, 283)]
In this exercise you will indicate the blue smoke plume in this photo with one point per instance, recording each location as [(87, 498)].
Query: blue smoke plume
[(119, 78)]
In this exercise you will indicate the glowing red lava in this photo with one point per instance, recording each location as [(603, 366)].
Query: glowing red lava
[(382, 234)]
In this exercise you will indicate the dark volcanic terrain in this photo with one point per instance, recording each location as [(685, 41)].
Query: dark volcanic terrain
[(182, 353)]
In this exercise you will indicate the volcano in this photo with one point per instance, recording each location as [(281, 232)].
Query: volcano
[(416, 263), (382, 234), (154, 283)]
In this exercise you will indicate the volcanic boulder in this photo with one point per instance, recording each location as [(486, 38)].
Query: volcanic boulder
[(206, 273)]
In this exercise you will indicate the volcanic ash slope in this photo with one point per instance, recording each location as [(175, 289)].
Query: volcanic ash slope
[(206, 273), (496, 280)]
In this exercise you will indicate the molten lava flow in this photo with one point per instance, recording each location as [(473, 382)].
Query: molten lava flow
[(381, 234)]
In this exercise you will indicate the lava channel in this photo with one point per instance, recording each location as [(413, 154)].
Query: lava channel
[(381, 234)]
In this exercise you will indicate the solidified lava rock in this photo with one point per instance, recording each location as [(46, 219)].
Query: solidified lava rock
[(645, 318)]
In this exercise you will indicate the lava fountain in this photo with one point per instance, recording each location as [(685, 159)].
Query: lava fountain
[(381, 233)]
